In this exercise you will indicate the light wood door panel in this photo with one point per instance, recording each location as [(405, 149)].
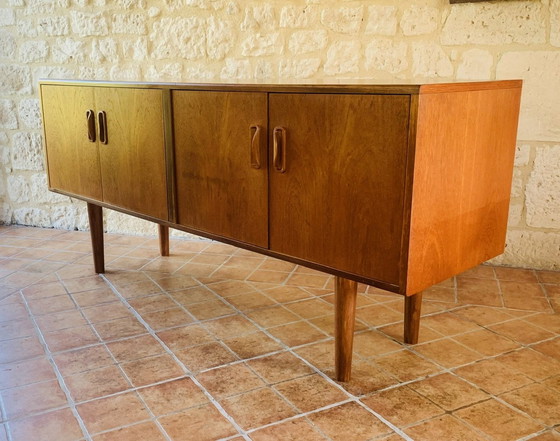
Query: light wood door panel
[(340, 201), (73, 161), (218, 189), (133, 160)]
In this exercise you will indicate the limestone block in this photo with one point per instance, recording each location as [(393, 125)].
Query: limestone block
[(7, 17), (104, 49), (345, 20), (298, 16), (4, 141), (131, 4), (264, 70), (531, 249), (198, 73), (419, 20), (495, 23), (40, 191), (94, 73), (29, 111), (154, 12), (53, 72), (256, 45), (33, 51), (54, 26), (27, 28), (260, 17), (298, 69), (382, 20), (515, 212), (476, 64), (66, 50), (27, 152), (5, 213), (555, 23), (522, 155), (542, 193), (8, 45), (129, 23), (16, 2), (165, 72), (116, 222), (220, 38), (8, 117), (430, 61), (179, 38), (65, 217), (136, 49), (540, 106), (85, 24), (386, 55), (517, 184), (125, 73), (15, 79), (302, 42), (19, 190), (81, 3), (343, 57), (236, 69)]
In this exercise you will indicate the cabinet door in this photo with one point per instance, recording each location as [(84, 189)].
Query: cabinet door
[(72, 160), (221, 163), (133, 160), (340, 200)]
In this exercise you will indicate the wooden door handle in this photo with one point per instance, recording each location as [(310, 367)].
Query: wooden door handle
[(279, 149), (256, 146), (90, 115), (102, 123)]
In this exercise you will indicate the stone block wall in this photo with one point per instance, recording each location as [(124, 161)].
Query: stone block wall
[(279, 41)]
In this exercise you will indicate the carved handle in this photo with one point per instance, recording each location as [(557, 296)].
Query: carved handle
[(279, 149), (90, 115), (256, 146), (102, 123)]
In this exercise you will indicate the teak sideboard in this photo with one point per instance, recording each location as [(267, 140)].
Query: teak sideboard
[(395, 186)]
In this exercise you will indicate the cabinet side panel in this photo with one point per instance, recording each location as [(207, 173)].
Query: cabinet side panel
[(465, 148), (72, 160)]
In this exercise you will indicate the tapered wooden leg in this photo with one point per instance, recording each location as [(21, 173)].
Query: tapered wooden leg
[(163, 240), (412, 307), (345, 313), (95, 215)]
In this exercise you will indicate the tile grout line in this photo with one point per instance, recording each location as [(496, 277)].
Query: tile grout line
[(5, 422), (187, 371), (59, 376)]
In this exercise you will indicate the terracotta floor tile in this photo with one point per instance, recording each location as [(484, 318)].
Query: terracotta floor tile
[(94, 297), (106, 312), (521, 331), (120, 328), (531, 363), (550, 348), (82, 360), (177, 283), (135, 348), (257, 408), (445, 427), (493, 377), (230, 380), (210, 309), (3, 433), (402, 406), (548, 436), (486, 342), (527, 303), (233, 272), (293, 430), (283, 294), (373, 343), (109, 413), (83, 283), (228, 327), (152, 370), (25, 372), (262, 275), (311, 308), (480, 271), (550, 322), (230, 288), (448, 391), (34, 398), (447, 353), (498, 420), (44, 290), (274, 316), (20, 349), (238, 260), (202, 423), (61, 320), (209, 259), (406, 366), (326, 324), (205, 356), (127, 263), (516, 274), (140, 289), (172, 396), (396, 331), (194, 295), (252, 345), (483, 315), (70, 338), (449, 324), (538, 401), (160, 264), (278, 265), (378, 315), (321, 354), (334, 423), (60, 425), (308, 280), (139, 432), (279, 367), (310, 392), (50, 305), (96, 383), (549, 276), (296, 334), (167, 318), (179, 338), (16, 329)]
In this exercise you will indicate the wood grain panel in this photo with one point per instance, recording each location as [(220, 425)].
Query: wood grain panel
[(465, 148), (218, 190), (73, 161), (133, 161), (340, 201)]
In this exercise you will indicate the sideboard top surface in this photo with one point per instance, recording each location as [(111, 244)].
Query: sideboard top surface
[(405, 88)]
